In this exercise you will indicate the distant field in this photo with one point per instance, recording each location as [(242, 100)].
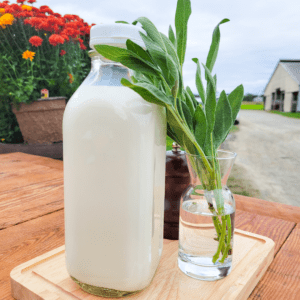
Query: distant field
[(295, 115), (252, 105)]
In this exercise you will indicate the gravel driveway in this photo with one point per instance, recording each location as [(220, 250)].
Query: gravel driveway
[(268, 148)]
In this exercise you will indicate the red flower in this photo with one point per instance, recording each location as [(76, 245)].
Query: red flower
[(35, 21), (69, 17), (36, 41), (82, 47), (21, 1), (40, 15), (46, 9), (9, 10), (24, 14), (57, 15), (31, 1), (16, 7), (3, 5), (65, 37), (62, 52), (56, 39), (71, 25)]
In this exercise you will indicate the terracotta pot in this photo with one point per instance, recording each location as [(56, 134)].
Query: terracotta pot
[(41, 121)]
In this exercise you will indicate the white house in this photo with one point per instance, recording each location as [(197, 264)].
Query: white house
[(282, 90)]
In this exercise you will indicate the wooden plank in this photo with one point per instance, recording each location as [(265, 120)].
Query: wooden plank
[(25, 241), (276, 229), (30, 202), (46, 276), (14, 177), (268, 208), (32, 238), (34, 159), (282, 279)]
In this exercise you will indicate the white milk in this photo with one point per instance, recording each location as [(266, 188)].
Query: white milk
[(114, 176)]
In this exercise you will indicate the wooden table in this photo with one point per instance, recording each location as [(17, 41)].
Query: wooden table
[(32, 223)]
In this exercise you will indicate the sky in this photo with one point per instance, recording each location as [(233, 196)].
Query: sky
[(259, 34)]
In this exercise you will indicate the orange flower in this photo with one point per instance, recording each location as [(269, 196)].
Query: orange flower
[(71, 78), (6, 19), (28, 54), (26, 7), (2, 10)]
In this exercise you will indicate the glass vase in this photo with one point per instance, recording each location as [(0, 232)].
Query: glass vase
[(207, 212)]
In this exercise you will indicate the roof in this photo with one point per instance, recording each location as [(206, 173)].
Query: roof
[(292, 66)]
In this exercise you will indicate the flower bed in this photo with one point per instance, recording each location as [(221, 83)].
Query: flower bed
[(39, 49)]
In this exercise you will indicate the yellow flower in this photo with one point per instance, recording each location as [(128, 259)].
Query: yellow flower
[(2, 10), (28, 54), (6, 19), (26, 7)]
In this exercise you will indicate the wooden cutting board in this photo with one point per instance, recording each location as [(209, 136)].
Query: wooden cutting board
[(45, 277)]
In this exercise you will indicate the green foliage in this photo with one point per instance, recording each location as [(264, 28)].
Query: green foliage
[(9, 128), (159, 80), (249, 97), (199, 129), (21, 80)]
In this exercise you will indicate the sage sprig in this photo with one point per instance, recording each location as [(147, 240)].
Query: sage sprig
[(199, 128)]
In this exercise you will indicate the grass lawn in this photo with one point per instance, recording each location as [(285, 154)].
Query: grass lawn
[(295, 115), (252, 106)]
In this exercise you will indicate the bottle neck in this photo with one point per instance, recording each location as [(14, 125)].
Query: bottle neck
[(106, 72)]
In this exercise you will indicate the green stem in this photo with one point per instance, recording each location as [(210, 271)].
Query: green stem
[(221, 241), (166, 84), (228, 241)]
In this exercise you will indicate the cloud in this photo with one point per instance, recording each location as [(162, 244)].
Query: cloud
[(260, 32)]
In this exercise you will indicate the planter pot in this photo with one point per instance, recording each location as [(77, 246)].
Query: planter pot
[(41, 121)]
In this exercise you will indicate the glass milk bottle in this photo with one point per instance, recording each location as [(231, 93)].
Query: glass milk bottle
[(114, 176)]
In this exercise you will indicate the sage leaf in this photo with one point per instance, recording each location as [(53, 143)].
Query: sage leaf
[(223, 121), (172, 37), (235, 99), (174, 125), (162, 59), (139, 51), (189, 102), (149, 93), (189, 91), (171, 134), (187, 115), (123, 22), (199, 83), (151, 31), (200, 126), (171, 50), (214, 47), (183, 12), (210, 103), (126, 58)]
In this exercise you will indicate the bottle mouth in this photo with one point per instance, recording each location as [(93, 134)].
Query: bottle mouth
[(221, 154)]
